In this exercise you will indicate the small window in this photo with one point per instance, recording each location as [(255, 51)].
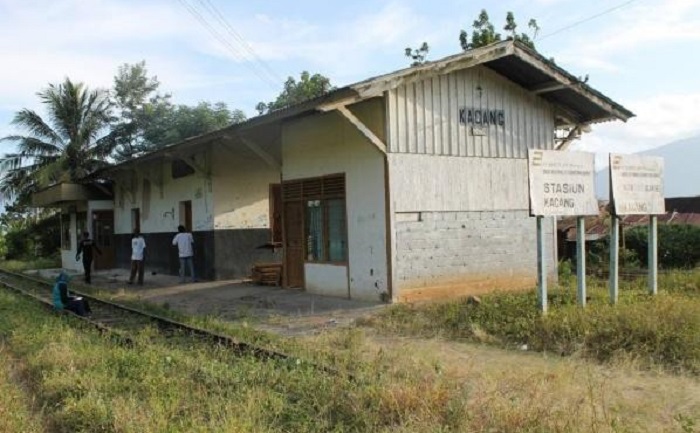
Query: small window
[(180, 168), (65, 231), (135, 220), (276, 213), (185, 217), (80, 225)]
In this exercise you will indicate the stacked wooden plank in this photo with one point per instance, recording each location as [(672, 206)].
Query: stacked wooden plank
[(267, 274)]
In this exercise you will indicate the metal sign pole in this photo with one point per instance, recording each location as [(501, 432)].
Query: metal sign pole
[(581, 260), (614, 254), (653, 255), (541, 268)]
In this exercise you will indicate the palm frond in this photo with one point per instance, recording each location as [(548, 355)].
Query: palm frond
[(31, 122), (33, 146)]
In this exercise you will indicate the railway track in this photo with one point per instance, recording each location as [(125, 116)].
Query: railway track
[(123, 322)]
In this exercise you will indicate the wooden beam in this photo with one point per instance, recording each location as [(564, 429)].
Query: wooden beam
[(371, 136), (264, 155), (103, 189), (547, 87), (574, 134), (377, 86), (572, 84)]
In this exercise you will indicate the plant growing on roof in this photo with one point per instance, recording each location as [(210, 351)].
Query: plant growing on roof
[(485, 33), (73, 142), (418, 55)]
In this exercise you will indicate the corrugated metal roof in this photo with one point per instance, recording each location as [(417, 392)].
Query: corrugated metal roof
[(681, 210)]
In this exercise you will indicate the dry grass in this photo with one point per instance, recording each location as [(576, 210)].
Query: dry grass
[(507, 390), (18, 411)]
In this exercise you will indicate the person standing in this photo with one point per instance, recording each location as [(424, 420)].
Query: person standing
[(184, 242), (85, 247), (138, 250)]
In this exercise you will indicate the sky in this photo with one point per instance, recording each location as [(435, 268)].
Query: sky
[(641, 53)]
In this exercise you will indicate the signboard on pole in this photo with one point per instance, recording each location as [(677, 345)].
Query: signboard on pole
[(637, 184), (561, 183)]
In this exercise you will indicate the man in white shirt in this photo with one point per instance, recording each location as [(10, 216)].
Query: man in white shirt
[(184, 242), (138, 248)]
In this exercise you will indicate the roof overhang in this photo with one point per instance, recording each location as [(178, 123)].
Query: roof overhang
[(578, 103), (56, 195), (575, 102)]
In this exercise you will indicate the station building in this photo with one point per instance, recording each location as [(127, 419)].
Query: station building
[(407, 186)]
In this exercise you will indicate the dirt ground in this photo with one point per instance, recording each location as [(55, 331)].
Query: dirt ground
[(283, 311)]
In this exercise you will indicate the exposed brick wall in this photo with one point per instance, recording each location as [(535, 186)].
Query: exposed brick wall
[(468, 251)]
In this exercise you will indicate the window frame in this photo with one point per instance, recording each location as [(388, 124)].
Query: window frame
[(322, 189)]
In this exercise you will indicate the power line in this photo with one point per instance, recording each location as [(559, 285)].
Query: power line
[(257, 70), (241, 41), (585, 20)]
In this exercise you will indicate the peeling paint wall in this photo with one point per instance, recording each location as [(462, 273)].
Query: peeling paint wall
[(241, 194), (324, 144), (163, 199)]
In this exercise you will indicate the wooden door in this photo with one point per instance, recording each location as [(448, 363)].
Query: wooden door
[(294, 243), (103, 235), (186, 214)]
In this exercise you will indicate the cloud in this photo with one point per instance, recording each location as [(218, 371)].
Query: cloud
[(660, 120), (635, 29)]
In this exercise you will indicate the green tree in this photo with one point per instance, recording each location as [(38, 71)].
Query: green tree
[(308, 87), (175, 123), (136, 98), (484, 32), (677, 244), (74, 142), (418, 55), (148, 120)]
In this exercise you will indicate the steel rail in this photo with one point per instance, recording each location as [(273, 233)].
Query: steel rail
[(164, 324)]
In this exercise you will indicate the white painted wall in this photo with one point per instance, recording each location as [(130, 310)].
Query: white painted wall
[(452, 183), (160, 213), (325, 144), (241, 182), (68, 256), (68, 261), (330, 280)]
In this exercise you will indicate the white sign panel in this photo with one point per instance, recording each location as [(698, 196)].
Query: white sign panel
[(562, 183), (637, 184)]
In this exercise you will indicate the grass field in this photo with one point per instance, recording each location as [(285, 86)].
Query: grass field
[(416, 369), (660, 331)]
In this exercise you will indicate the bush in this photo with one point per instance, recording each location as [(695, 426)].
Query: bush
[(662, 330), (35, 239), (678, 244)]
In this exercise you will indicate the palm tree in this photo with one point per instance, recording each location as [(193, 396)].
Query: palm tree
[(74, 142)]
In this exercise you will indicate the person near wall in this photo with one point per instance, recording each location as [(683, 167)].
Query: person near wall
[(184, 242), (86, 247), (62, 300), (138, 250)]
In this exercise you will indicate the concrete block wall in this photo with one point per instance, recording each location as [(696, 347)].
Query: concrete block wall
[(457, 253)]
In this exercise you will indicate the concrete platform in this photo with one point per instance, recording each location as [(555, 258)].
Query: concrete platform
[(284, 311)]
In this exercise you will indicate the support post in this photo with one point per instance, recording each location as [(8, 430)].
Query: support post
[(652, 263), (581, 261), (541, 268), (614, 255)]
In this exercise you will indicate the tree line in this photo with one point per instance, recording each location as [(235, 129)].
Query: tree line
[(84, 129)]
